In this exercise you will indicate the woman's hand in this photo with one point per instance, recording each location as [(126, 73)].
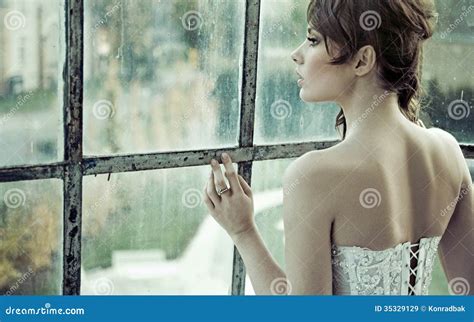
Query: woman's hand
[(233, 209)]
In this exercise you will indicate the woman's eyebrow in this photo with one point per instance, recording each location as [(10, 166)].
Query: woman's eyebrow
[(311, 31)]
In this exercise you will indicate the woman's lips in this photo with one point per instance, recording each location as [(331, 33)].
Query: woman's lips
[(300, 81)]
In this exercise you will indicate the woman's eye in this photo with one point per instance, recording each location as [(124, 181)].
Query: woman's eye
[(313, 41)]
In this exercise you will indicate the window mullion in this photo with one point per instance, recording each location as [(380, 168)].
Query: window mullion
[(72, 185), (247, 118)]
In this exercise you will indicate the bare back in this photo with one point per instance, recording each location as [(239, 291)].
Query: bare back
[(396, 188)]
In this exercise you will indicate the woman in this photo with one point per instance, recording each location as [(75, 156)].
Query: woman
[(367, 215)]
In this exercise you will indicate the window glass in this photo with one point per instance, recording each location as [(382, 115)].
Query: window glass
[(268, 201), (280, 115), (31, 61), (161, 75), (150, 233), (447, 70), (31, 237)]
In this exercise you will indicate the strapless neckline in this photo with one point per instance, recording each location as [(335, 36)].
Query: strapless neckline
[(399, 245)]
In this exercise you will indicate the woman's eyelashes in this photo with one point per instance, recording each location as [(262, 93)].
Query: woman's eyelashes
[(313, 41)]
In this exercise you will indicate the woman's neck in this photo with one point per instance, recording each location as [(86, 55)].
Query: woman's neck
[(369, 114)]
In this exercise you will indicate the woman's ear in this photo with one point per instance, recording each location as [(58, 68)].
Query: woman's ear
[(364, 60)]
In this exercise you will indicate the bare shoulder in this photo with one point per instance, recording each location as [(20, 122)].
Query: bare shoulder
[(320, 164), (311, 179), (449, 145), (447, 139), (308, 190), (437, 138), (444, 135)]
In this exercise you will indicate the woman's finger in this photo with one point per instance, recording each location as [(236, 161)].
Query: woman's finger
[(208, 200), (245, 187), (211, 190), (216, 170), (231, 174)]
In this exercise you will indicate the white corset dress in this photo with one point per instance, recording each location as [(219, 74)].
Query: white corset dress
[(362, 271)]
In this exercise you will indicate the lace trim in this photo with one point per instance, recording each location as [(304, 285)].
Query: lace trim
[(366, 271)]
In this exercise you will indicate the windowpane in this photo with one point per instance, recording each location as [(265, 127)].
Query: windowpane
[(447, 73), (268, 201), (31, 237), (150, 233), (31, 59), (281, 116), (161, 75)]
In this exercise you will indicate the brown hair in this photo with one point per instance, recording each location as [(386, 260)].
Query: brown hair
[(394, 28)]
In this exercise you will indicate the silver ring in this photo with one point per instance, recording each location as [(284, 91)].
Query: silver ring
[(221, 191)]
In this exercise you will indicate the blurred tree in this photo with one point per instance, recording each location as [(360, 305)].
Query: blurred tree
[(29, 246)]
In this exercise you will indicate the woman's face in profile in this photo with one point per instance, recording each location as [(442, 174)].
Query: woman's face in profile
[(321, 81)]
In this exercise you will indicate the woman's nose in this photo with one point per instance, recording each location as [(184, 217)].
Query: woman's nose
[(295, 58)]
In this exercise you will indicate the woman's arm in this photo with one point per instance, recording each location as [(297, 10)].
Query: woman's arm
[(266, 275), (456, 249), (308, 205), (307, 214), (233, 210), (309, 200)]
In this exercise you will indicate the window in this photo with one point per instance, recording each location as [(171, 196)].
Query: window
[(281, 116), (31, 59), (448, 85), (31, 237), (148, 233), (166, 81), (127, 101)]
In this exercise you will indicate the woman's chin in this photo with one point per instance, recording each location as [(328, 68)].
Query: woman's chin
[(312, 98), (303, 96), (306, 98)]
